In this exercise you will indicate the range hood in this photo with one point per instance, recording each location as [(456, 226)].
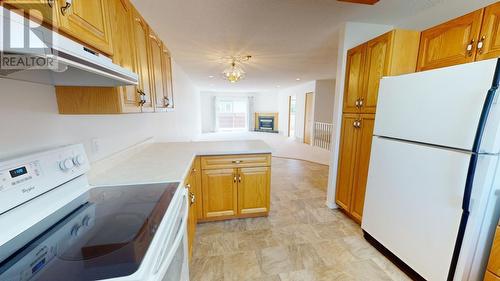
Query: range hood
[(33, 53)]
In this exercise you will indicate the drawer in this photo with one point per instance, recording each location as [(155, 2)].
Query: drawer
[(494, 262), (488, 276), (235, 161)]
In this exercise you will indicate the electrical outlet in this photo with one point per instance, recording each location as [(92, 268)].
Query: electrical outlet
[(95, 145)]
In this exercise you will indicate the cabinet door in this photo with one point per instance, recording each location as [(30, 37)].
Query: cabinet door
[(362, 163), (354, 78), (88, 21), (253, 190), (42, 10), (489, 39), (123, 49), (196, 185), (347, 160), (220, 197), (142, 50), (450, 43), (167, 77), (191, 223), (157, 77), (378, 52)]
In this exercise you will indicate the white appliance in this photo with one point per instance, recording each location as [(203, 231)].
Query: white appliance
[(57, 227), (76, 64), (432, 195)]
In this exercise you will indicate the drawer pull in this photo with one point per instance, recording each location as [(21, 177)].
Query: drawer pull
[(237, 161)]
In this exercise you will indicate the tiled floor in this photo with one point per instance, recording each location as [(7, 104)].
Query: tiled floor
[(301, 240)]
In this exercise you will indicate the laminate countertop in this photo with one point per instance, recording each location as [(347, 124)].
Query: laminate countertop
[(164, 162)]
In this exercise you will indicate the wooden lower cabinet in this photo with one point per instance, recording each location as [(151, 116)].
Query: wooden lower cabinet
[(253, 190), (235, 191), (193, 184), (493, 268), (192, 221), (355, 149), (219, 192)]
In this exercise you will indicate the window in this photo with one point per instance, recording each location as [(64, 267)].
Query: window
[(232, 114)]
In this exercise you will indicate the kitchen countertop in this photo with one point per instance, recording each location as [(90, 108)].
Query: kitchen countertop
[(165, 162)]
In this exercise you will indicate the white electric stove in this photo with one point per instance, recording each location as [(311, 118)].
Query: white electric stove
[(55, 226)]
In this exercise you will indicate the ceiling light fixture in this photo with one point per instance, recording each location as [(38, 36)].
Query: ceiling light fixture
[(235, 72), (211, 76), (298, 79)]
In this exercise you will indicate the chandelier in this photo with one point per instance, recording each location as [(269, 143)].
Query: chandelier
[(235, 71)]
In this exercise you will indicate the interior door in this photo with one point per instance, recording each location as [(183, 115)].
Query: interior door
[(142, 50), (88, 21), (413, 203), (124, 50), (450, 43), (220, 193), (309, 118), (366, 124), (253, 190), (354, 78), (347, 160), (489, 39), (376, 66)]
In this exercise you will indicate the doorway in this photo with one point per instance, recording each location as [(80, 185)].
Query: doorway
[(308, 118), (292, 113)]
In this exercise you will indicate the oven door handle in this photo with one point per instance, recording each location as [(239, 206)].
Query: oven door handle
[(168, 257)]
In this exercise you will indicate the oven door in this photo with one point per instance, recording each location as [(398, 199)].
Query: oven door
[(172, 262)]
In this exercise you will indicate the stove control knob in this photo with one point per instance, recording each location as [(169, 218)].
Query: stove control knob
[(78, 160), (76, 230), (66, 164), (86, 221)]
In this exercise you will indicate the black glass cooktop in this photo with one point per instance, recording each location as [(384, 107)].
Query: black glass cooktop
[(106, 237)]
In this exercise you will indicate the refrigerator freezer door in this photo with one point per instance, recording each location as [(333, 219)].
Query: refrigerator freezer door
[(413, 203), (440, 107)]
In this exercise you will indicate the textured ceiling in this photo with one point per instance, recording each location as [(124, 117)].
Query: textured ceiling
[(288, 39)]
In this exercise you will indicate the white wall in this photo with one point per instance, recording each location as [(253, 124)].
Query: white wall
[(29, 121), (350, 35), (263, 102), (324, 99), (300, 92)]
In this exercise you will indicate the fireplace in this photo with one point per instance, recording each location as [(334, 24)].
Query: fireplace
[(266, 122)]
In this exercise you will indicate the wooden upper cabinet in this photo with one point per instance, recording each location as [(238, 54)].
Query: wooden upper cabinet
[(347, 160), (253, 190), (365, 135), (40, 10), (219, 189), (354, 78), (392, 53), (168, 94), (376, 66), (124, 50), (88, 21), (142, 50), (488, 45), (450, 43), (156, 70)]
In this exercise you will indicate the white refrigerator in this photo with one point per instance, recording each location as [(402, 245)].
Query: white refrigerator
[(432, 195)]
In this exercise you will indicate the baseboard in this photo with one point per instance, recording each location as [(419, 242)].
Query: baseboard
[(393, 258), (331, 205)]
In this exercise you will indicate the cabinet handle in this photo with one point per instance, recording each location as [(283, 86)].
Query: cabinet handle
[(237, 161), (234, 179), (239, 179), (166, 101), (480, 45), (188, 185), (50, 3), (470, 48), (357, 103), (361, 101), (359, 123), (194, 170), (193, 199), (66, 7)]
